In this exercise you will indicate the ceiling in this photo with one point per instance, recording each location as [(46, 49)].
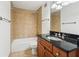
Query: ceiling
[(29, 5)]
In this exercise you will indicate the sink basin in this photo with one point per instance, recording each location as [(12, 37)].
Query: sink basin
[(54, 38)]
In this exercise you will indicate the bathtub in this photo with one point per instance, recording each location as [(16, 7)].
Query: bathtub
[(23, 44)]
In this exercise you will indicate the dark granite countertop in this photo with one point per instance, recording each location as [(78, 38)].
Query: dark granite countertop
[(64, 45)]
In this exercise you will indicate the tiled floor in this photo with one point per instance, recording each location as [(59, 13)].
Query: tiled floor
[(25, 53)]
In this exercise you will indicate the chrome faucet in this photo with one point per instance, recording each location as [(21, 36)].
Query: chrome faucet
[(55, 34), (63, 36)]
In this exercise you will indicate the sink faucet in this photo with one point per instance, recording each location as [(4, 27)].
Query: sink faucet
[(63, 36), (56, 34), (59, 35)]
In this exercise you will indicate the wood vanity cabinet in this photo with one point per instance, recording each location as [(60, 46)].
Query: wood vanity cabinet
[(46, 49), (46, 45), (48, 54), (60, 53), (40, 49)]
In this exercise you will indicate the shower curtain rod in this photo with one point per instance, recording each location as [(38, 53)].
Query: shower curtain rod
[(4, 19)]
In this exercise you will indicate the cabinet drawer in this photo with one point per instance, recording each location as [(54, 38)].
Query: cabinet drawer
[(58, 52), (47, 45)]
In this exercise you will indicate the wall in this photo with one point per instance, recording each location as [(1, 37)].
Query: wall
[(4, 29), (39, 20), (46, 18), (55, 21), (23, 23), (70, 14)]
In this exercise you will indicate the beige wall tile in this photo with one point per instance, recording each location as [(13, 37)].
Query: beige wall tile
[(24, 23)]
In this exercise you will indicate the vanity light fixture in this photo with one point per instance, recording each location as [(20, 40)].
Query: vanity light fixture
[(59, 7), (56, 5), (59, 4)]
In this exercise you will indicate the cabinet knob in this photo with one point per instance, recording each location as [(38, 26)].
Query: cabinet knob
[(57, 54)]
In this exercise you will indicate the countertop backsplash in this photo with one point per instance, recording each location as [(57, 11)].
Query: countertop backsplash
[(73, 38)]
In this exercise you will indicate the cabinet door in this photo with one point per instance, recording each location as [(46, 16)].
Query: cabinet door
[(58, 52), (55, 52), (48, 54), (73, 54), (62, 53), (47, 45), (40, 50)]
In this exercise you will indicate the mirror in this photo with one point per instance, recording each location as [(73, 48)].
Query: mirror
[(65, 17), (55, 21)]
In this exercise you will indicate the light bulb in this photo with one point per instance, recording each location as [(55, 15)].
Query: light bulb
[(59, 7), (54, 6)]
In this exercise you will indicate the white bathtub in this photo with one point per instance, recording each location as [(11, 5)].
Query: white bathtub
[(23, 44)]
